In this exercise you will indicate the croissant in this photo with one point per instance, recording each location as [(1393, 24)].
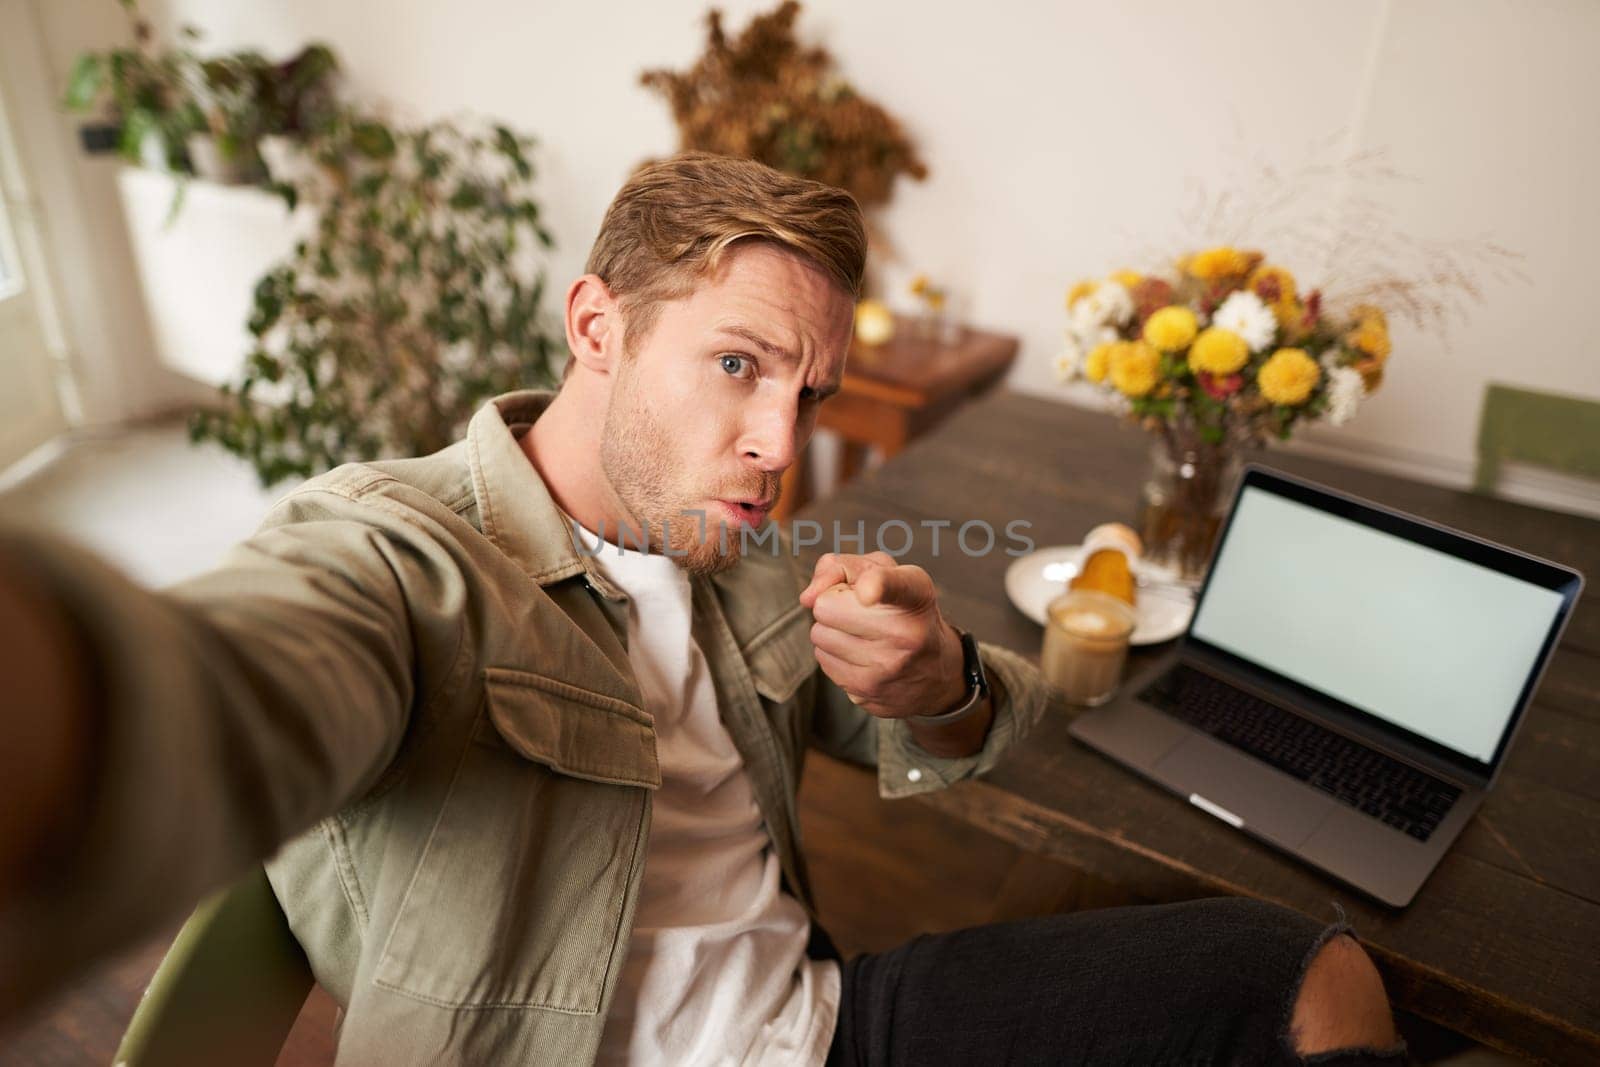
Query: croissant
[(1107, 561), (1106, 571)]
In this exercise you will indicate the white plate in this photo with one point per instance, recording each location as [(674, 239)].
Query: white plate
[(1037, 578)]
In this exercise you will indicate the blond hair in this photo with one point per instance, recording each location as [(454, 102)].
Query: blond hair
[(670, 225)]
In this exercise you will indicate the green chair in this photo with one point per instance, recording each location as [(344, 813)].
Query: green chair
[(1559, 433), (229, 989)]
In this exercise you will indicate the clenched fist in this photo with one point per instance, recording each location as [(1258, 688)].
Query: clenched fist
[(879, 635)]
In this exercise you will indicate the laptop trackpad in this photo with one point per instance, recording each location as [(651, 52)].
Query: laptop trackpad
[(1271, 803)]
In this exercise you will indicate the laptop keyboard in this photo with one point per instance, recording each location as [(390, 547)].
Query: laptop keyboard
[(1393, 792)]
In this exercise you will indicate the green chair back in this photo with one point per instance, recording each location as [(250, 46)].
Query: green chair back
[(1558, 433), (229, 989)]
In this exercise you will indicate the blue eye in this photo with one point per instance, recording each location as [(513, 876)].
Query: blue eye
[(735, 365)]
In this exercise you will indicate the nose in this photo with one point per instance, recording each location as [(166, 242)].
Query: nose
[(770, 438)]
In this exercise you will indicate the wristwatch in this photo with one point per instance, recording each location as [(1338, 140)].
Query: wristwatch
[(977, 685)]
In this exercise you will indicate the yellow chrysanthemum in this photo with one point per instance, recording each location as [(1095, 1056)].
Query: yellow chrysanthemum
[(1171, 328), (1218, 351), (1277, 283), (1222, 262), (1288, 377), (1098, 362), (1127, 278), (1370, 313), (1291, 318), (1370, 337), (1275, 286), (1135, 368), (1078, 292), (1370, 334)]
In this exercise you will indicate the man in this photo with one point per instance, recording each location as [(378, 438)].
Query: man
[(526, 790)]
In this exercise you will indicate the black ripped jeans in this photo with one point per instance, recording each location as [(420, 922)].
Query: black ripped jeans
[(1200, 982)]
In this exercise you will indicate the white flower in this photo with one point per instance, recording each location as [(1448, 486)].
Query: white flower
[(1069, 364), (1108, 304), (1247, 316), (1093, 337), (1345, 390)]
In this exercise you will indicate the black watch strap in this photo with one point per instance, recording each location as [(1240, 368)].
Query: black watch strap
[(977, 684)]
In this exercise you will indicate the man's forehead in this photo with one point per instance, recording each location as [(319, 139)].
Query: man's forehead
[(766, 274)]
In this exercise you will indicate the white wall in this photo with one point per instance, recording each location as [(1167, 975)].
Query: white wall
[(1060, 138)]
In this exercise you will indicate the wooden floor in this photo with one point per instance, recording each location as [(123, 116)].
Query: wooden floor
[(884, 871)]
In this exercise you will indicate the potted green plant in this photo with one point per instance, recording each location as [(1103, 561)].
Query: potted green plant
[(203, 116), (413, 301), (297, 102), (146, 90)]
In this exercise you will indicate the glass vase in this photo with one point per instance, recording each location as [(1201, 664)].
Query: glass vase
[(1184, 498)]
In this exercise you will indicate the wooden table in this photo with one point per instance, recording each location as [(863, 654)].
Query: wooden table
[(1502, 943), (893, 392)]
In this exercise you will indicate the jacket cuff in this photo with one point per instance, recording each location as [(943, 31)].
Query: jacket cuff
[(1019, 695)]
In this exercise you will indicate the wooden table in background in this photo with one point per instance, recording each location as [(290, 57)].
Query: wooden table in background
[(894, 392), (1502, 943)]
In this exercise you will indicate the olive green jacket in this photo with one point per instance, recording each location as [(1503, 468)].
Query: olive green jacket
[(413, 682)]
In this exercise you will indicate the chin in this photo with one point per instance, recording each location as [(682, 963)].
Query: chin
[(707, 558)]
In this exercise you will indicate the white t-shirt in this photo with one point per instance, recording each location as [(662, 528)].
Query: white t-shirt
[(717, 971)]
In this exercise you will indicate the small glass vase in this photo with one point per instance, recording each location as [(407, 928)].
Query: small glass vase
[(1184, 498)]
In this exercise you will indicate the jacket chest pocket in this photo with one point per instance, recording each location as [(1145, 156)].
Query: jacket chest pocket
[(518, 900), (781, 663)]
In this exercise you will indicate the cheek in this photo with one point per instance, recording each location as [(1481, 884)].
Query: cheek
[(806, 424), (715, 442)]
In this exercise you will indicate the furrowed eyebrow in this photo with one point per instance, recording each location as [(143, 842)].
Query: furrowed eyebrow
[(775, 351)]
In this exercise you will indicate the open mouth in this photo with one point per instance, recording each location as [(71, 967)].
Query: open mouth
[(748, 512)]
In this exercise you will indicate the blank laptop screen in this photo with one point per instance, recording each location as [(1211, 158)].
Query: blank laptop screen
[(1435, 644)]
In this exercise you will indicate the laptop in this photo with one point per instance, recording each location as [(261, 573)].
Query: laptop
[(1349, 684)]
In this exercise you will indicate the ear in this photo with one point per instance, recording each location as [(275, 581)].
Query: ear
[(594, 324)]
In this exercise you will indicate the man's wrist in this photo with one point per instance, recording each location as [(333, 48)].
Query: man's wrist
[(962, 723), (967, 687), (956, 739)]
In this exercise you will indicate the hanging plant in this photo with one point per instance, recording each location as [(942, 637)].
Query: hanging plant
[(416, 299), (190, 115)]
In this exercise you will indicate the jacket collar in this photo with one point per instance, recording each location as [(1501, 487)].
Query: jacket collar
[(517, 513), (515, 508)]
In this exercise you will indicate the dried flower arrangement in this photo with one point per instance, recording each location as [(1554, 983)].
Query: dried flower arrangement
[(763, 96), (1329, 215), (1219, 350)]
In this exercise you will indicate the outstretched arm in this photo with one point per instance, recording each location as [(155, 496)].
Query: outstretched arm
[(162, 743)]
